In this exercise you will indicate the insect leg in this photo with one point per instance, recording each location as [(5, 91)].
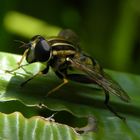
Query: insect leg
[(85, 79), (65, 81), (44, 71), (106, 102), (19, 63), (10, 71), (23, 56), (62, 75), (74, 77)]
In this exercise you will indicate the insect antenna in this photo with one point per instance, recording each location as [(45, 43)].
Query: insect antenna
[(24, 45)]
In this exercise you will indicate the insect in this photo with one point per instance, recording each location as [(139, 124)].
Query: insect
[(63, 54)]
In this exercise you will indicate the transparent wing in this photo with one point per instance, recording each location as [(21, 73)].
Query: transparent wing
[(70, 36), (102, 79)]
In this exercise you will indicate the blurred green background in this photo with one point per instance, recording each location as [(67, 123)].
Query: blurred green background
[(109, 30)]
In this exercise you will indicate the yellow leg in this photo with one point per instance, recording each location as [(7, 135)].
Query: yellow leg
[(19, 63), (23, 56), (10, 71), (65, 81)]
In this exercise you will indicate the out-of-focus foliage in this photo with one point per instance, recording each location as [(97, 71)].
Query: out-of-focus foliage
[(108, 30)]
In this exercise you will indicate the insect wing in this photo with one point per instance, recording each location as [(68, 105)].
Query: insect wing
[(103, 80), (70, 36)]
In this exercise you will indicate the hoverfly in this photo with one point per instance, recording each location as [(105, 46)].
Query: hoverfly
[(63, 54)]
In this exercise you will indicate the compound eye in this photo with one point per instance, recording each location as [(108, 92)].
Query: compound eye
[(42, 50)]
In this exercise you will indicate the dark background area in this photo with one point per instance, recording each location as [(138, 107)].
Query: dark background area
[(108, 30)]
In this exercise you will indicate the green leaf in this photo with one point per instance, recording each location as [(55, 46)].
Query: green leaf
[(79, 99), (15, 127)]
